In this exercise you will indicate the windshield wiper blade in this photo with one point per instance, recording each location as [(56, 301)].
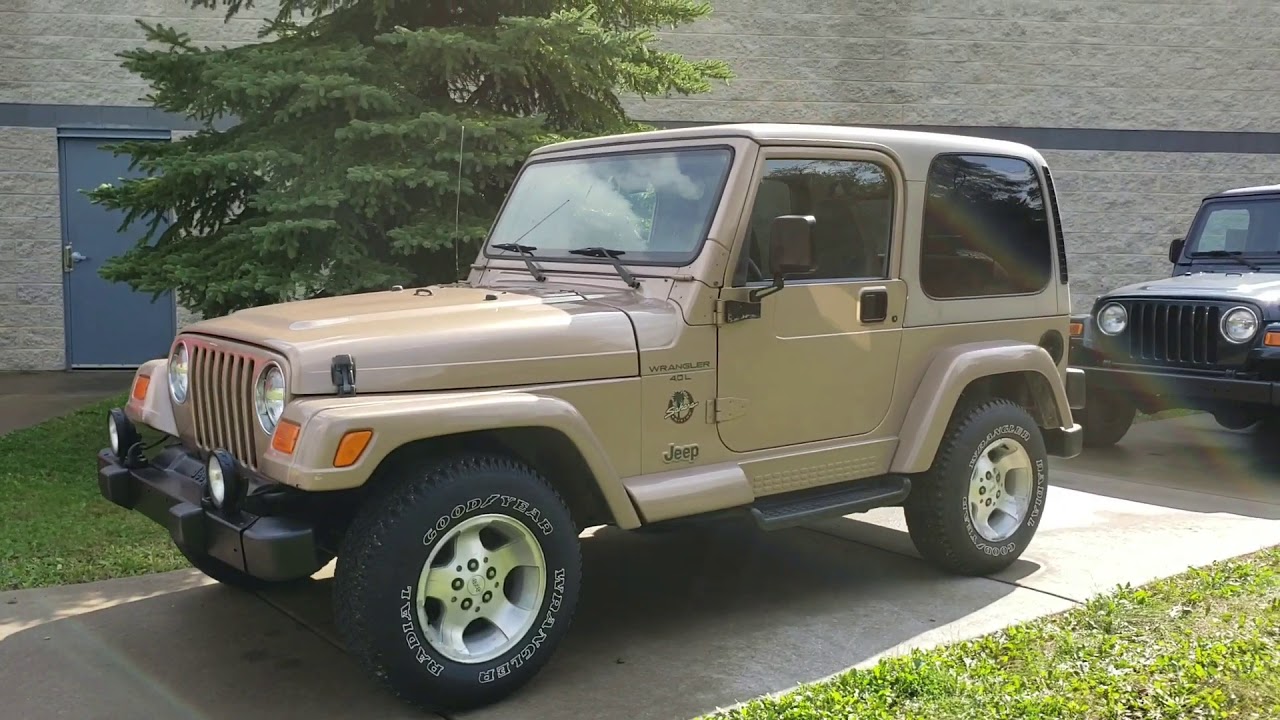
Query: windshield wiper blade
[(612, 257), (526, 254), (1232, 255)]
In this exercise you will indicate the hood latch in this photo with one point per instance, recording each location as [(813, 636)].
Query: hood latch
[(342, 371)]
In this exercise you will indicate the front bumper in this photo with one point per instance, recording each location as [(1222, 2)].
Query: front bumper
[(170, 490), (1184, 389)]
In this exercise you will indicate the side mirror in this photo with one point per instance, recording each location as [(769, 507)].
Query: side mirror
[(791, 246), (1175, 249)]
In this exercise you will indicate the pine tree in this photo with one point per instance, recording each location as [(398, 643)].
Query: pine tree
[(371, 141)]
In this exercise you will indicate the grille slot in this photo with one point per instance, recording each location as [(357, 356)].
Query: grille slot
[(1173, 333), (222, 397)]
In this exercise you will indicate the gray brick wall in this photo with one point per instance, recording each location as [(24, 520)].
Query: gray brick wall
[(64, 51), (31, 327), (1121, 209), (1192, 65)]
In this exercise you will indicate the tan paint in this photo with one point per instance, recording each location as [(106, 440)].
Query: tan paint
[(950, 372), (674, 411)]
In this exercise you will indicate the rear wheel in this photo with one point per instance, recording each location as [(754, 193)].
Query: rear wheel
[(456, 582), (1107, 418), (976, 509)]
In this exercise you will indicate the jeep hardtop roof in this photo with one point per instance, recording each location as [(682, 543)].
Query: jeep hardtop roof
[(915, 148), (1246, 191)]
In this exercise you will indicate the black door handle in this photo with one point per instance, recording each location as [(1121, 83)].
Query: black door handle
[(873, 305)]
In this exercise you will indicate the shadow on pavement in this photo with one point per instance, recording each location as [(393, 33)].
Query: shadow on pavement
[(1188, 464), (704, 615)]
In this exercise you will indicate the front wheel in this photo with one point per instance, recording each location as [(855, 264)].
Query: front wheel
[(976, 509), (456, 582)]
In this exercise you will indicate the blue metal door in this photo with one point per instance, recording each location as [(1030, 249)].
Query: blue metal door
[(108, 324)]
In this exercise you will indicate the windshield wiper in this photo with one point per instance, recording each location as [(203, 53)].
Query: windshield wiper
[(1232, 255), (612, 257), (526, 254)]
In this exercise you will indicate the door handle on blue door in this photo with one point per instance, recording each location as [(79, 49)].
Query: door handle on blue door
[(873, 305)]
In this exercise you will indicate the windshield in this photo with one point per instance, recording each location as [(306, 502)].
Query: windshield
[(1243, 227), (653, 206)]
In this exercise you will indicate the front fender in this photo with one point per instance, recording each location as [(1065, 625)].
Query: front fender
[(155, 408), (950, 372), (400, 419)]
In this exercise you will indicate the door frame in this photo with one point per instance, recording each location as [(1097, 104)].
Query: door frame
[(93, 133)]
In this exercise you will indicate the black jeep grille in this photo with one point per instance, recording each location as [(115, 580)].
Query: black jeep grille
[(1173, 333)]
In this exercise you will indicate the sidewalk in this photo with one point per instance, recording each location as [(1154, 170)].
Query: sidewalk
[(32, 398)]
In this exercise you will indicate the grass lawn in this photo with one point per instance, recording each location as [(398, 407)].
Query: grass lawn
[(1205, 644), (55, 528)]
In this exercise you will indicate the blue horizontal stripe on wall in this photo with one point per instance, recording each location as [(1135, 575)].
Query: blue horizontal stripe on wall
[(1178, 141)]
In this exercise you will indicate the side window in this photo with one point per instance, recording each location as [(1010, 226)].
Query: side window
[(852, 201), (985, 231)]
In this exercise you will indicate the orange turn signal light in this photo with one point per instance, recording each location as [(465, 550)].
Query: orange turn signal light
[(1272, 339), (285, 438), (1077, 329), (351, 447), (140, 385)]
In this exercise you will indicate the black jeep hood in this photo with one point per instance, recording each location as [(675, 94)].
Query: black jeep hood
[(1262, 288)]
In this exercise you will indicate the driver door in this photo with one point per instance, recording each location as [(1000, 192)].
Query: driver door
[(821, 360)]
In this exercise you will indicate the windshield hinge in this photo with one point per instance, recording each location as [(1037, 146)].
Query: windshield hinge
[(732, 311), (725, 409), (342, 371)]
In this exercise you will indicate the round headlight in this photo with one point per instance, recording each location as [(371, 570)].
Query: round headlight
[(178, 367), (217, 481), (1239, 325), (1113, 319), (114, 435), (268, 398)]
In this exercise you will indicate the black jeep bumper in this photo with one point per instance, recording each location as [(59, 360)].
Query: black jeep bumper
[(1184, 389), (170, 490)]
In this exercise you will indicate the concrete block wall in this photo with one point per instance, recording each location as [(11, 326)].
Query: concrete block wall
[(1120, 210), (62, 53)]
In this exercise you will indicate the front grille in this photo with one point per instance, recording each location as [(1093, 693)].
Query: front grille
[(222, 399), (1173, 333)]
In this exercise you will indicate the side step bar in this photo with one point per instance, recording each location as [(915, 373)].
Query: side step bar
[(792, 509)]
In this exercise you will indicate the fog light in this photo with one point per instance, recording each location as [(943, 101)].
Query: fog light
[(223, 480), (124, 436)]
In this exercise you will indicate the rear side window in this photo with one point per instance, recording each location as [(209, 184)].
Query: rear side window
[(986, 230)]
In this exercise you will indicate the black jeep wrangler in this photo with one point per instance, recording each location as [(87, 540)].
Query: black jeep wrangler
[(1206, 338)]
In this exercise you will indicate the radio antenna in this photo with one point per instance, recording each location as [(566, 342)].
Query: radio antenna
[(457, 207)]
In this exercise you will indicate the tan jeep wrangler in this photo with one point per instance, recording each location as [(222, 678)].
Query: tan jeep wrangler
[(794, 322)]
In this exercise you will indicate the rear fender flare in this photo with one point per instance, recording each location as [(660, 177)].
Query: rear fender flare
[(949, 374)]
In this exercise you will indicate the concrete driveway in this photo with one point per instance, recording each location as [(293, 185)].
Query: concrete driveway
[(671, 625)]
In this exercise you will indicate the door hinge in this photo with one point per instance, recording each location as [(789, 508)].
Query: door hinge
[(724, 409), (732, 311)]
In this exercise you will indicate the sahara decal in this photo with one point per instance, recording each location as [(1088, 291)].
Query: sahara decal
[(680, 407)]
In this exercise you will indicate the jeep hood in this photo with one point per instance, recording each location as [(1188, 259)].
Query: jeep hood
[(1261, 288), (445, 338)]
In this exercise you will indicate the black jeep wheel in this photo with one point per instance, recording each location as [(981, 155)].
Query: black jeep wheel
[(456, 582), (976, 509), (1107, 417)]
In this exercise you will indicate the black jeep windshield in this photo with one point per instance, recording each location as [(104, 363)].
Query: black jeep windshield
[(653, 207), (1249, 228)]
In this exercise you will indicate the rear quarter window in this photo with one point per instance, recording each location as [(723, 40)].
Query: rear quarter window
[(986, 228)]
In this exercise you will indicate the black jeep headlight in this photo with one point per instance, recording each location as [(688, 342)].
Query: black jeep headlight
[(1113, 319), (1239, 325), (223, 480), (122, 433)]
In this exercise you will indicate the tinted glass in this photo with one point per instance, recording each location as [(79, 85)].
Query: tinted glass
[(985, 228), (1247, 227), (852, 201), (656, 207)]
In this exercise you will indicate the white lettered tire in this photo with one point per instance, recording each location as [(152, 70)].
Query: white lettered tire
[(976, 509), (456, 582)]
